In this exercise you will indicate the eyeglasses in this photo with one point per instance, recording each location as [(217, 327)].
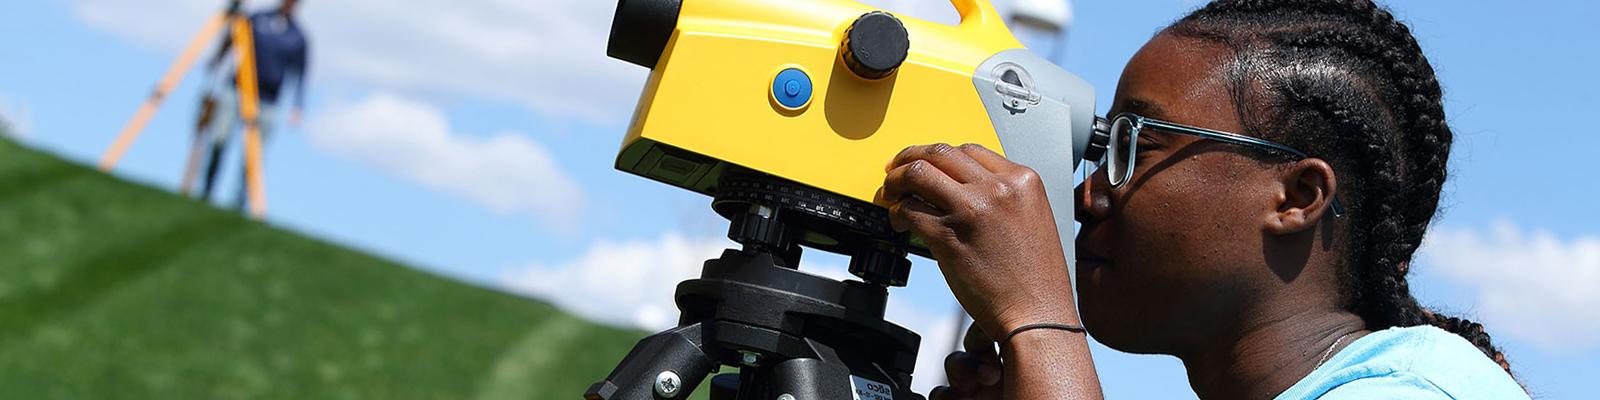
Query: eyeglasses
[(1124, 141)]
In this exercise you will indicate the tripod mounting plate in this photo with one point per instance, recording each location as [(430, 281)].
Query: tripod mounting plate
[(779, 216)]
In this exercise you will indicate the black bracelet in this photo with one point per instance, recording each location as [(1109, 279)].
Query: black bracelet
[(1028, 327)]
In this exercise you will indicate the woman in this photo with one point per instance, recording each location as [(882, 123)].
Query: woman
[(1273, 263)]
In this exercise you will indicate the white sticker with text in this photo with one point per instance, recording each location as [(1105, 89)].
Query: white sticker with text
[(867, 389)]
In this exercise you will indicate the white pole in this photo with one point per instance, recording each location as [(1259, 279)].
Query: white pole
[(1048, 18)]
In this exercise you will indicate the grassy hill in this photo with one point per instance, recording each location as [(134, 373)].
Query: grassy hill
[(114, 290)]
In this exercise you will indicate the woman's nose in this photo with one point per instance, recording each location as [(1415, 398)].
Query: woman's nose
[(1093, 198)]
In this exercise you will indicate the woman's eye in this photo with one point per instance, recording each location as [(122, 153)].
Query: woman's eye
[(1145, 143)]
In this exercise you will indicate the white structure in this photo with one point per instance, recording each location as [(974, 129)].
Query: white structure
[(1053, 16)]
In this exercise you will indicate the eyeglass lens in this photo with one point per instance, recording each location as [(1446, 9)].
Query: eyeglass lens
[(1119, 152)]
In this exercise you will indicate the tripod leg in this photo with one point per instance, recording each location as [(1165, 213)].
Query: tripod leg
[(192, 167), (212, 165), (679, 352), (174, 74), (243, 40)]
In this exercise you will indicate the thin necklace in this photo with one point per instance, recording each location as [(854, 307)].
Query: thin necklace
[(1329, 352)]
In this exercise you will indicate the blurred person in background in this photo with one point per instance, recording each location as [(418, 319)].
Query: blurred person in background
[(281, 55)]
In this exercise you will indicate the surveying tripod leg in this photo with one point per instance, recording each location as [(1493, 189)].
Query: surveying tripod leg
[(243, 42), (666, 365), (197, 152), (174, 74)]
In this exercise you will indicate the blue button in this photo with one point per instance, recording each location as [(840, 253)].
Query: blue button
[(792, 88)]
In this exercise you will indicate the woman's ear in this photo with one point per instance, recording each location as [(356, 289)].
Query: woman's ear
[(1308, 189)]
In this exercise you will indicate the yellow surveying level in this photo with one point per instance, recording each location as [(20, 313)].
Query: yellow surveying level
[(243, 41), (785, 112), (708, 94), (824, 92)]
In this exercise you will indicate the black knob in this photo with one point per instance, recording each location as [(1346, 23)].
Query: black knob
[(881, 267), (875, 45)]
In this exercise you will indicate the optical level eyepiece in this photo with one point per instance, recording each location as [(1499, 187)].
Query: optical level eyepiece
[(640, 30), (1099, 140)]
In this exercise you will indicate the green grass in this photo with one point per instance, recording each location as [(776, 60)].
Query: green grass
[(114, 290)]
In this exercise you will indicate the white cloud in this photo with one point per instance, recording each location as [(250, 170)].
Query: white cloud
[(506, 172), (631, 283), (548, 56), (16, 119), (1531, 285), (625, 283), (165, 24)]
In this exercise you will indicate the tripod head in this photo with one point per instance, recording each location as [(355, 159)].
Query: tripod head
[(790, 333)]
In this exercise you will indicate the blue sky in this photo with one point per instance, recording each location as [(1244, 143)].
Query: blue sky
[(475, 139)]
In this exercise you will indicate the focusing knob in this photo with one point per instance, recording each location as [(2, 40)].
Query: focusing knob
[(875, 45), (1099, 140)]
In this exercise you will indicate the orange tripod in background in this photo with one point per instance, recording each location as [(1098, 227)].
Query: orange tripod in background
[(248, 110)]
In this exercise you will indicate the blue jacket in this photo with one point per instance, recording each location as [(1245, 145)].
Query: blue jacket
[(281, 54)]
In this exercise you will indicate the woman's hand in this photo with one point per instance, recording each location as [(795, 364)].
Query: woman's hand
[(973, 374), (988, 223)]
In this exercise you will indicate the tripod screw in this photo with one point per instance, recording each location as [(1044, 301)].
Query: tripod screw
[(668, 384), (750, 358)]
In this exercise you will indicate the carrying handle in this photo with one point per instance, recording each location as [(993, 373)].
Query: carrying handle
[(978, 14)]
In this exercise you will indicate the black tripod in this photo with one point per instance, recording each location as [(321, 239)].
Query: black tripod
[(793, 335)]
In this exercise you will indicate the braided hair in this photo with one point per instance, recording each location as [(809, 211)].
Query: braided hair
[(1354, 88)]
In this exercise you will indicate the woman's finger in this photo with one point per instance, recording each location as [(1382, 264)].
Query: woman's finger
[(983, 350), (915, 215), (979, 344), (953, 161), (922, 179), (968, 372), (990, 160)]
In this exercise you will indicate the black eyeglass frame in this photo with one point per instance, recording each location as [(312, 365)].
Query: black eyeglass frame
[(1136, 123)]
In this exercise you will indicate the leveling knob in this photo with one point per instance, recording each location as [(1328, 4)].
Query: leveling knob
[(875, 45)]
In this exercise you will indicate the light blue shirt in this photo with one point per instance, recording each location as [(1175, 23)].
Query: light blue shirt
[(1419, 362)]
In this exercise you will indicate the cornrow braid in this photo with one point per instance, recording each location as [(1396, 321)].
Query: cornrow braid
[(1383, 296), (1354, 86)]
